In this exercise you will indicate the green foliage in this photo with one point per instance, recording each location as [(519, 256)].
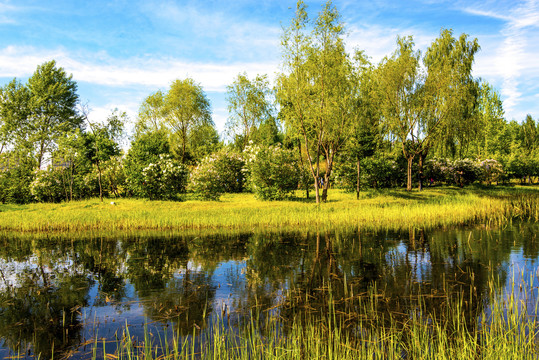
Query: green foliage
[(218, 173), (15, 178), (144, 150), (249, 107), (164, 179), (375, 172), (49, 185), (274, 172)]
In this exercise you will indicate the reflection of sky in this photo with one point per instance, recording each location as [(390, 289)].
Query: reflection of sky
[(231, 283)]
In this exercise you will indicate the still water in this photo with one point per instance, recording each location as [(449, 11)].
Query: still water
[(60, 294)]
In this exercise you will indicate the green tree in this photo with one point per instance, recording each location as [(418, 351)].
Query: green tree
[(52, 108), (249, 107), (14, 112), (151, 115), (492, 122), (187, 108), (316, 92), (401, 105)]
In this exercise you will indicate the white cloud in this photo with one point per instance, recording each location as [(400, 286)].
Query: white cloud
[(148, 72), (513, 60), (378, 41)]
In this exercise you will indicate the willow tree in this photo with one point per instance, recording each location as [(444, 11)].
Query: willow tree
[(315, 90), (436, 104)]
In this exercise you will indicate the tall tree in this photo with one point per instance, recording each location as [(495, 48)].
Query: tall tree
[(492, 122), (423, 108), (401, 103), (316, 92), (14, 112), (450, 95), (249, 106), (151, 113), (52, 108), (187, 107), (366, 133)]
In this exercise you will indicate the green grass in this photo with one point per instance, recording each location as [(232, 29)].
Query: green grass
[(505, 333), (386, 209)]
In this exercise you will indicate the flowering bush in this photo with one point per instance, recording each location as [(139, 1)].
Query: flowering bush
[(164, 179), (273, 171), (217, 174), (492, 170), (49, 185)]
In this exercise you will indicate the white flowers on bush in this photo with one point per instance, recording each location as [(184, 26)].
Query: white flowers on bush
[(217, 174), (164, 179)]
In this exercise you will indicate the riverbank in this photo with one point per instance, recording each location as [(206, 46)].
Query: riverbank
[(375, 210)]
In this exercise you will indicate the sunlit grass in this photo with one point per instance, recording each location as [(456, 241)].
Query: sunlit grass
[(505, 332), (388, 209)]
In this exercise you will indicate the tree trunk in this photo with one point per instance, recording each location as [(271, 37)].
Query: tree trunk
[(357, 181), (410, 158), (303, 177), (420, 171)]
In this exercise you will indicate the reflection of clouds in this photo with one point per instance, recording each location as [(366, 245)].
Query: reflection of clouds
[(14, 272)]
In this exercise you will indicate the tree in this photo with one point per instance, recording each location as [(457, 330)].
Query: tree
[(366, 125), (423, 109), (104, 141), (186, 108), (151, 113), (316, 94), (401, 105), (14, 112), (450, 95), (248, 106), (52, 108), (491, 121)]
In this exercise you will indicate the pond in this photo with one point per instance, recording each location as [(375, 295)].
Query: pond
[(58, 294)]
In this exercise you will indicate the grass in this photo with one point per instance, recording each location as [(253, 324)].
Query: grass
[(505, 332), (385, 209)]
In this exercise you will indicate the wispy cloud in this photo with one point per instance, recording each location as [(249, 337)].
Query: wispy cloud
[(515, 58), (101, 69)]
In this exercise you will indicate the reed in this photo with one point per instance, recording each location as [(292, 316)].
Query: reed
[(505, 332), (376, 210)]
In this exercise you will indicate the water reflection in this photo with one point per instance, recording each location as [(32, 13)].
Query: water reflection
[(57, 294)]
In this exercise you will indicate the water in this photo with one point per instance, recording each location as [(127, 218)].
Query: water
[(60, 294)]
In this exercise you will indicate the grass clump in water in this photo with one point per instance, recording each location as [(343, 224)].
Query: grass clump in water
[(504, 331)]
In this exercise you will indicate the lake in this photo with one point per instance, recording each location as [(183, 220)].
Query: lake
[(58, 294)]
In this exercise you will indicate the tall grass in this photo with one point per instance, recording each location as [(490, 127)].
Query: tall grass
[(505, 332), (390, 209)]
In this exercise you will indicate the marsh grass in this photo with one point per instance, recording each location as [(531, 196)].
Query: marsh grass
[(376, 210), (505, 332)]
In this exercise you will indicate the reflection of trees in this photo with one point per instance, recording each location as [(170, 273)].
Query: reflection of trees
[(184, 301), (39, 309), (294, 274), (394, 275)]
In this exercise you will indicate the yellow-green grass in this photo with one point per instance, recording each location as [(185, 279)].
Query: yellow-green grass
[(388, 209), (506, 332)]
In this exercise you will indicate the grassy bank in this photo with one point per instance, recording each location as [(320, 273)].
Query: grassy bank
[(386, 209)]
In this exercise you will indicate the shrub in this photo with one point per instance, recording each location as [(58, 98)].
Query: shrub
[(273, 171), (49, 185), (164, 179), (492, 170), (217, 174)]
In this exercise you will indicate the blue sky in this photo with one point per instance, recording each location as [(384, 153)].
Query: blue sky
[(121, 51)]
